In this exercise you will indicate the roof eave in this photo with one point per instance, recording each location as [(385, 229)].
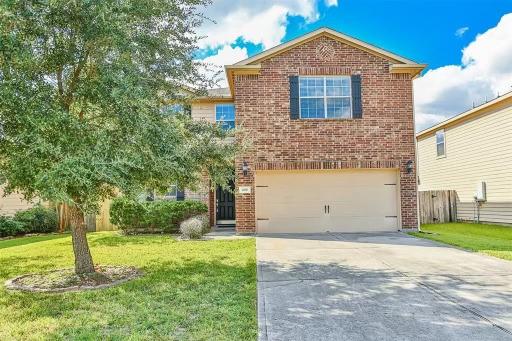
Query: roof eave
[(231, 70), (206, 99), (484, 108), (413, 69)]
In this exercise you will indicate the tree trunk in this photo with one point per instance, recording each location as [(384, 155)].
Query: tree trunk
[(83, 258)]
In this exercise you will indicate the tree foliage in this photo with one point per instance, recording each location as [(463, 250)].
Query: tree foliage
[(82, 85), (81, 95)]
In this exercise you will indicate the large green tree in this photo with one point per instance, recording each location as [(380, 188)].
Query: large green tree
[(82, 85)]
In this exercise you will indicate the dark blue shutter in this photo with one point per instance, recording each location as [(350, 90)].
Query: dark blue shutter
[(294, 98), (180, 195), (357, 107)]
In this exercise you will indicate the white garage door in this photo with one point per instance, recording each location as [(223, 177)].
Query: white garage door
[(363, 200)]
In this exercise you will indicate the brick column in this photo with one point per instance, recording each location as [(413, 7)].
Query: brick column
[(245, 203), (408, 196)]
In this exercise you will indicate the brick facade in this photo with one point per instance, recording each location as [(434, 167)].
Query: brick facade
[(383, 138)]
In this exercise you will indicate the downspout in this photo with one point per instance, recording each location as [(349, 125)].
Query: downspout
[(416, 159)]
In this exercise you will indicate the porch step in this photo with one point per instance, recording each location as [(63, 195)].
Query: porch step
[(224, 227)]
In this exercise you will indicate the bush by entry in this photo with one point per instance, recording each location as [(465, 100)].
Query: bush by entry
[(152, 216), (189, 291)]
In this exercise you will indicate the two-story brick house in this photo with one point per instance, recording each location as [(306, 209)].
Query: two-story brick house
[(331, 125)]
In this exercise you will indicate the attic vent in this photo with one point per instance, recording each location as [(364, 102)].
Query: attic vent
[(402, 76), (246, 77)]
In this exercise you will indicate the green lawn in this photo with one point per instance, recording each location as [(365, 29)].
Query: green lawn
[(493, 240), (191, 290)]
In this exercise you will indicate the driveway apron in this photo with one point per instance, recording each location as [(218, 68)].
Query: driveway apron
[(387, 286)]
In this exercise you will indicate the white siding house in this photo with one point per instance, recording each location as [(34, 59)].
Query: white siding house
[(470, 148), (14, 202)]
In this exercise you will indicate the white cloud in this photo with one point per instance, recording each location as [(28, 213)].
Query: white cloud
[(256, 21), (226, 55), (460, 31), (485, 71)]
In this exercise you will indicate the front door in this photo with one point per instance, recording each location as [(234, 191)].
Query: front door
[(226, 204)]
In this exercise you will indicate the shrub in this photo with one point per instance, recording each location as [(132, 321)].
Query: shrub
[(38, 219), (192, 228), (126, 213), (10, 227), (205, 221), (152, 216)]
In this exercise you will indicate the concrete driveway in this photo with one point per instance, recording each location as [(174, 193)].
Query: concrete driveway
[(379, 287)]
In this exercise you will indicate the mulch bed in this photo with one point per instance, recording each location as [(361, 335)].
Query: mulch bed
[(64, 280)]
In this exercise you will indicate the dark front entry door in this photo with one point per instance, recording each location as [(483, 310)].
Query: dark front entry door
[(226, 203)]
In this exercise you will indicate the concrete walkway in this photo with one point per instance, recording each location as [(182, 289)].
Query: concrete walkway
[(379, 287)]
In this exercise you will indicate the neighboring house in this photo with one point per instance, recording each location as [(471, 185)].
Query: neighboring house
[(14, 202), (466, 150), (331, 123)]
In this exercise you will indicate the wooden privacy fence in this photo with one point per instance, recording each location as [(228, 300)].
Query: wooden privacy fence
[(437, 206), (100, 222)]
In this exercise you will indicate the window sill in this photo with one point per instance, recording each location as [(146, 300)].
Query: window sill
[(441, 157)]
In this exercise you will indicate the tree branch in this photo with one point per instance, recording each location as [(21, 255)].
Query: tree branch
[(74, 80), (59, 81)]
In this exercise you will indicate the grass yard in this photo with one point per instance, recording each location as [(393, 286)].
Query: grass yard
[(191, 290), (493, 240)]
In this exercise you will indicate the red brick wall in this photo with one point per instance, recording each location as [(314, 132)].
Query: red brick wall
[(383, 138)]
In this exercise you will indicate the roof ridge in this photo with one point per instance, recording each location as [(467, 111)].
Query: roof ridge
[(324, 30)]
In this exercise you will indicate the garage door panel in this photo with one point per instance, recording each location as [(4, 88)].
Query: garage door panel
[(359, 200), (284, 210), (292, 225), (285, 206), (363, 224)]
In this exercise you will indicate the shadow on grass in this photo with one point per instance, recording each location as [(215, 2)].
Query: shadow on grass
[(194, 300), (20, 265), (118, 239), (19, 241)]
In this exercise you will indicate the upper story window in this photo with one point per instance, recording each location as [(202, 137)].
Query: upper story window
[(225, 115), (440, 143), (325, 97)]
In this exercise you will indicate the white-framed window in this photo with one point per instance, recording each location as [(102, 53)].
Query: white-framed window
[(225, 115), (173, 109), (440, 143), (172, 193), (325, 97)]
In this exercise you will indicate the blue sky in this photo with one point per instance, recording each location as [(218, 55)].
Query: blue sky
[(427, 31)]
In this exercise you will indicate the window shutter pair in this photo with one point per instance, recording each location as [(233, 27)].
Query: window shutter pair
[(357, 107)]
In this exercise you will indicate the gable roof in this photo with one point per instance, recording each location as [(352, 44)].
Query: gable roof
[(252, 65), (324, 31), (493, 105)]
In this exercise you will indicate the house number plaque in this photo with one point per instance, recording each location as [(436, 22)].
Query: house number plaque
[(244, 189)]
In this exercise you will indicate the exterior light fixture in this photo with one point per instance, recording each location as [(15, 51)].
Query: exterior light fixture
[(245, 168), (409, 167)]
